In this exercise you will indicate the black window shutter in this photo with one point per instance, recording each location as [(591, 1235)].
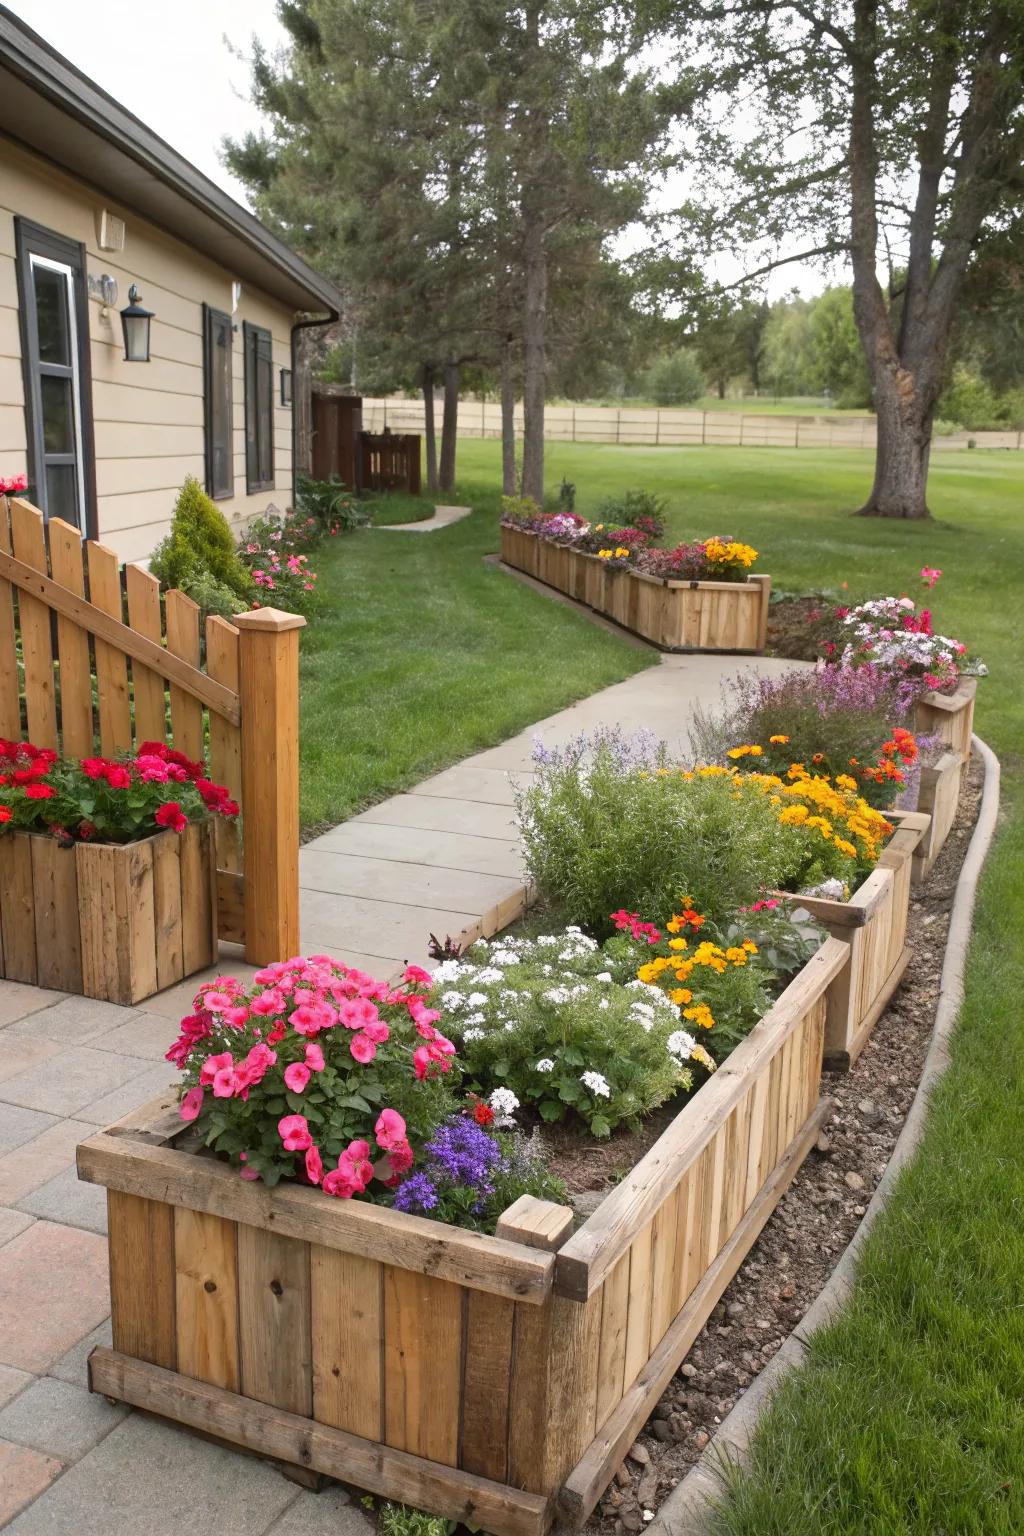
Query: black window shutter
[(259, 408), (218, 421)]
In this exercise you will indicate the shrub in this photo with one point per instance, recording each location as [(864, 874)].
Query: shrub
[(107, 800), (273, 548), (200, 543), (609, 823), (308, 1068), (213, 597), (675, 379), (542, 1023)]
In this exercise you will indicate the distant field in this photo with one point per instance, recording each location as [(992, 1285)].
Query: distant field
[(750, 405)]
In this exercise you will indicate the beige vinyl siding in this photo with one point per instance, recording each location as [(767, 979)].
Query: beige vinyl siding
[(148, 417)]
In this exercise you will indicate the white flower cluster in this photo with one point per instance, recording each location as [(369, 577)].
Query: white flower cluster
[(680, 1045), (504, 1103), (597, 1084)]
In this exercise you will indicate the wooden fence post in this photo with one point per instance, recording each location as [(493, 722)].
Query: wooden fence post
[(268, 675)]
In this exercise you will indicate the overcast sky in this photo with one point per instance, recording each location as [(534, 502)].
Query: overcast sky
[(167, 62)]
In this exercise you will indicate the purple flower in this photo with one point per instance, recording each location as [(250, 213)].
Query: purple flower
[(417, 1193), (462, 1152)]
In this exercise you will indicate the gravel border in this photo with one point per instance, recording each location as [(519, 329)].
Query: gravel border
[(686, 1511)]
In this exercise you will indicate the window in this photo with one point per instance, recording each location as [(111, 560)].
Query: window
[(259, 409), (218, 424), (53, 308)]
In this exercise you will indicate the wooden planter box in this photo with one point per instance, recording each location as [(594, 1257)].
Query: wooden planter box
[(874, 923), (938, 797), (108, 920), (496, 1380), (949, 716), (727, 616)]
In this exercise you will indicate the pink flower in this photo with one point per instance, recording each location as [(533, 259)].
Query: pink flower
[(390, 1128), (930, 575), (340, 1182), (314, 1165), (362, 1048), (304, 1020), (214, 1064), (224, 1083), (294, 1133), (216, 1002), (314, 1057), (296, 1076), (171, 815), (267, 1003), (357, 1013), (400, 1158), (191, 1104), (248, 1173), (421, 1062)]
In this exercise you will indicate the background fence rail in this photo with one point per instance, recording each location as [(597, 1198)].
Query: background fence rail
[(668, 428)]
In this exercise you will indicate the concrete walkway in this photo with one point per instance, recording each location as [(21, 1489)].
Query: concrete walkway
[(442, 858), (443, 518)]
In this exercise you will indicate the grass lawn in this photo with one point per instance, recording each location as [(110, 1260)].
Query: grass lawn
[(423, 655), (909, 1417), (760, 405)]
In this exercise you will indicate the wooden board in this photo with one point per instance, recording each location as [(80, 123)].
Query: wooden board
[(111, 664), (142, 1278), (55, 906), (225, 756), (29, 546), (183, 641), (17, 909), (206, 1297), (10, 697), (347, 1341), (422, 1364), (75, 672), (274, 1320), (143, 593)]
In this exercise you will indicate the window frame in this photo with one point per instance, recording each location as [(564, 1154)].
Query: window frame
[(213, 318), (35, 244), (257, 339)]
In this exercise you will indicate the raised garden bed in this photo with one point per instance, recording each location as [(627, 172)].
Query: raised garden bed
[(938, 797), (496, 1380), (117, 921), (950, 716), (874, 923), (729, 616)]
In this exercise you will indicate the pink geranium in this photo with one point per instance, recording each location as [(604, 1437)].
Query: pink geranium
[(296, 1076), (192, 1103), (294, 1133)]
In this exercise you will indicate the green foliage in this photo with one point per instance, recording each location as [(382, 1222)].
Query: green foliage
[(543, 1020), (674, 379), (335, 507), (632, 509), (970, 401), (212, 596), (400, 1520), (200, 545), (838, 357)]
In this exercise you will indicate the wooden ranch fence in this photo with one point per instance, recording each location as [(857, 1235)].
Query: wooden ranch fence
[(497, 1380), (93, 658)]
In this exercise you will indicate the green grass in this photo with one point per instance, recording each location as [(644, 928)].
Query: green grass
[(909, 1417), (423, 654), (399, 507)]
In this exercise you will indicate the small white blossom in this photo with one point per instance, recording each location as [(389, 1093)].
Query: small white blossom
[(450, 970), (488, 974), (603, 1003), (477, 1000), (452, 1000), (546, 969), (504, 1103), (469, 1035), (597, 1084), (545, 1064), (504, 957), (680, 1045), (603, 976), (475, 1018)]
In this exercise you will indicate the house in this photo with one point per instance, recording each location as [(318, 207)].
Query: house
[(99, 217)]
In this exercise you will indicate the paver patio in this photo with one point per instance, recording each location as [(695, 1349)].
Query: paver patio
[(436, 859)]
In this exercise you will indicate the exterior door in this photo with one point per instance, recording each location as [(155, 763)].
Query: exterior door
[(53, 303)]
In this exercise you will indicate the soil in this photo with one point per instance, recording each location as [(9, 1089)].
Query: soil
[(814, 1221), (790, 627)]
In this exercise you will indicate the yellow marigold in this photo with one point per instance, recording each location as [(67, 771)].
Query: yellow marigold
[(681, 995), (683, 972), (843, 781), (677, 944), (736, 954), (604, 554), (745, 751), (779, 741), (820, 824), (793, 815), (621, 552), (750, 946), (706, 1060), (701, 1015), (844, 847)]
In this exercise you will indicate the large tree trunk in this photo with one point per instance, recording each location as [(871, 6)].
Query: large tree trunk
[(901, 464), (508, 422), (429, 434), (535, 276), (449, 426)]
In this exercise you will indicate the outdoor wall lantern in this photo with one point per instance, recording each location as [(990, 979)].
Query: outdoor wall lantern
[(286, 386), (135, 321)]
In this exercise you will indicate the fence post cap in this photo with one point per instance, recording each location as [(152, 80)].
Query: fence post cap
[(269, 620)]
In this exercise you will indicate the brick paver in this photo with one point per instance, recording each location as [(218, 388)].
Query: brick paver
[(53, 1289)]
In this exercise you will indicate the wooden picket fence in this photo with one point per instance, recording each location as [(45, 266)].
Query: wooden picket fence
[(93, 658)]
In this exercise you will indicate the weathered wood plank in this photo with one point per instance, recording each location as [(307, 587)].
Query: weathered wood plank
[(274, 1341), (347, 1341), (111, 664), (17, 910), (10, 696), (411, 1242), (198, 897), (486, 1385), (29, 546), (182, 616), (55, 903), (142, 1278), (225, 738), (75, 671), (143, 591), (206, 1292), (168, 898), (422, 1364), (269, 1432)]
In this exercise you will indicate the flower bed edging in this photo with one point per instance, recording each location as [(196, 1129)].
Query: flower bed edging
[(874, 923), (495, 1380), (938, 797), (678, 616), (114, 921), (686, 1510)]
